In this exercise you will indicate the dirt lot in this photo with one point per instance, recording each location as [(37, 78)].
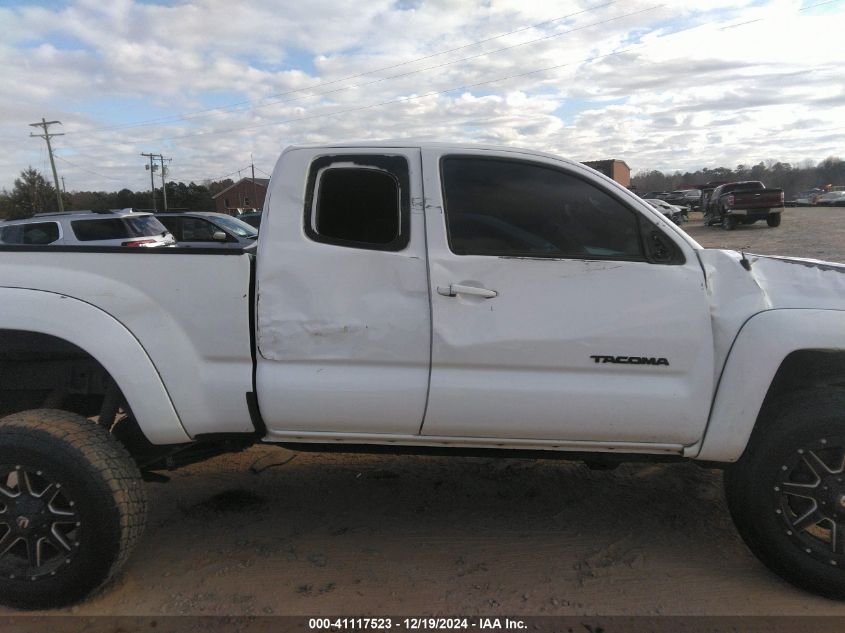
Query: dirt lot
[(357, 535)]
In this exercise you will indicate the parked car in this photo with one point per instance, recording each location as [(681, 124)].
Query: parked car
[(208, 230), (654, 195), (253, 219), (87, 228), (743, 202), (684, 198), (416, 298), (831, 199), (677, 214), (805, 198)]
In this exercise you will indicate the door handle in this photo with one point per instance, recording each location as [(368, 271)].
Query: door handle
[(453, 290)]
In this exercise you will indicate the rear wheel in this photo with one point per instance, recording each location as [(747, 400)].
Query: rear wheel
[(773, 219), (787, 492), (72, 506)]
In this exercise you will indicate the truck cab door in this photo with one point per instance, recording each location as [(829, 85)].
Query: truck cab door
[(343, 330), (560, 311)]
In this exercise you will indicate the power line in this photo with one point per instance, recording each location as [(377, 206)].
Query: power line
[(457, 61), (399, 100), (237, 171), (416, 97), (189, 135), (237, 105), (90, 171)]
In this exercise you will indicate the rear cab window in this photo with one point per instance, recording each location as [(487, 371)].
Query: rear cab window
[(359, 201)]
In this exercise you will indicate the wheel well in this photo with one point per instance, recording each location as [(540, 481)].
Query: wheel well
[(41, 371), (806, 369)]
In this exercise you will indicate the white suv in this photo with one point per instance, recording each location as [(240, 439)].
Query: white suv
[(87, 228)]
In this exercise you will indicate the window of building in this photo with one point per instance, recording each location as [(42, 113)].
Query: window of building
[(516, 208), (359, 201)]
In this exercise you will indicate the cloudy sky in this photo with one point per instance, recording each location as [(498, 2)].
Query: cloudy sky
[(679, 84)]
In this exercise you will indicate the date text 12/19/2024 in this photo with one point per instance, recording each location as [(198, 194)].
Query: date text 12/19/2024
[(414, 624)]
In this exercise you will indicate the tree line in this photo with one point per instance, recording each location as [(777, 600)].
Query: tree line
[(777, 175), (32, 193)]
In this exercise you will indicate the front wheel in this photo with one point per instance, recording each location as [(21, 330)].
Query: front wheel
[(729, 222), (787, 492), (773, 219), (72, 506)]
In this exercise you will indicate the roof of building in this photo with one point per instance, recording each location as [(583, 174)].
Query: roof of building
[(607, 161), (261, 182)]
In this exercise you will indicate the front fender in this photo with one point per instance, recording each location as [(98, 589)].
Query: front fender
[(763, 342), (108, 341)]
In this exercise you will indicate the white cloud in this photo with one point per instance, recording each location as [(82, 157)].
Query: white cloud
[(668, 86)]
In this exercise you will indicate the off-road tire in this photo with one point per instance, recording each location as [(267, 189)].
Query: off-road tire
[(754, 487), (98, 481), (773, 219), (729, 222)]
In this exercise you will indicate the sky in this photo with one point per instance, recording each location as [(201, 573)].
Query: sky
[(215, 84)]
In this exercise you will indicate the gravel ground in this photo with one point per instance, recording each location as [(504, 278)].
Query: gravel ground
[(255, 533), (804, 232)]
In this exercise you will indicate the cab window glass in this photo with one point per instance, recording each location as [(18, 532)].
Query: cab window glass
[(359, 202), (515, 208)]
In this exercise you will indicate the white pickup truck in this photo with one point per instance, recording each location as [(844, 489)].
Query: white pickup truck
[(417, 298)]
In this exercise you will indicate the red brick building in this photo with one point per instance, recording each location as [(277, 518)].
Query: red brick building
[(245, 195), (616, 169)]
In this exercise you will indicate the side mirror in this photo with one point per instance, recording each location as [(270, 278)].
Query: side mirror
[(219, 236)]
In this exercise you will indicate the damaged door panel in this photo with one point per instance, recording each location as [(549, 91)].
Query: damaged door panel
[(343, 328)]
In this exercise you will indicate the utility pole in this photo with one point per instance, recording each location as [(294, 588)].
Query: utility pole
[(63, 185), (254, 186), (163, 174), (152, 169), (45, 125)]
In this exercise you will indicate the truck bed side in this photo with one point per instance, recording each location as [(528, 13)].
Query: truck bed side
[(189, 311)]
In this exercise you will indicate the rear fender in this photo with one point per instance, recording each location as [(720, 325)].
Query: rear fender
[(110, 343)]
